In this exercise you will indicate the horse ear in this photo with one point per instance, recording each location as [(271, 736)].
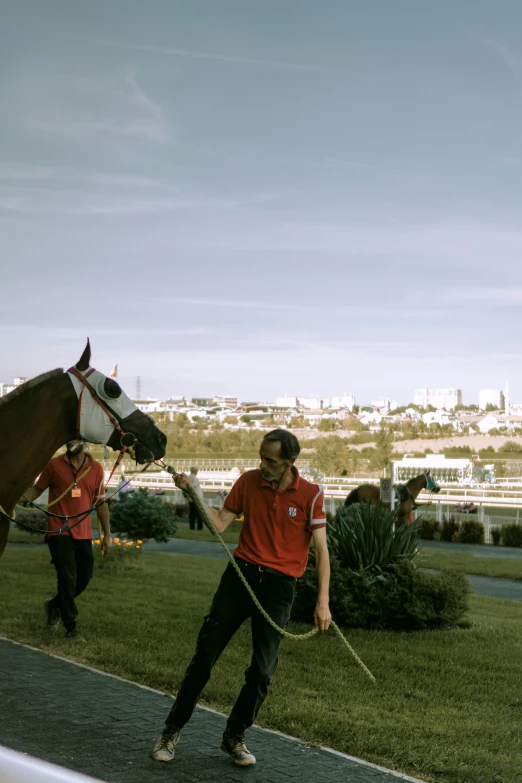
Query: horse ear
[(85, 360)]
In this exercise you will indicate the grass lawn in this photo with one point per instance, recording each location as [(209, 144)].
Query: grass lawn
[(500, 567), (446, 707)]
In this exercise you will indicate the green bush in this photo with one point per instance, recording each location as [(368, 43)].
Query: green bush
[(450, 529), (512, 535), (366, 536), (144, 516), (403, 599), (32, 517), (496, 535), (429, 529), (471, 532)]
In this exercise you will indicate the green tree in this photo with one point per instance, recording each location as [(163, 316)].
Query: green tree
[(383, 449), (327, 425)]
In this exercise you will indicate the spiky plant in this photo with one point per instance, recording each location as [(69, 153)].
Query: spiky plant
[(366, 537)]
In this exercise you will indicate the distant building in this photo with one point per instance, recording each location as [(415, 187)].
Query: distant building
[(344, 401), (385, 405), (224, 400), (438, 398), (202, 402), (493, 397), (286, 402), (5, 388)]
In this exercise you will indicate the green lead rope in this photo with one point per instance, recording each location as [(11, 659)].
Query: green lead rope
[(190, 491)]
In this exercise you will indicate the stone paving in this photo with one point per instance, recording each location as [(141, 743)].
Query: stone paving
[(97, 724)]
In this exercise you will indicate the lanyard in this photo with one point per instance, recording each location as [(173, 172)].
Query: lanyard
[(75, 472)]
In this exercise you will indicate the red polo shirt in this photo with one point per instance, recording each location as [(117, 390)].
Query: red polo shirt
[(57, 476), (278, 526)]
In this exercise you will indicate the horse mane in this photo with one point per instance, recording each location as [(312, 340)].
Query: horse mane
[(28, 385)]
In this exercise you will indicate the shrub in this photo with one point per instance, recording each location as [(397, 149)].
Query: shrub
[(429, 529), (450, 529), (366, 536), (495, 535), (471, 532), (33, 518), (144, 516), (404, 598), (512, 535), (181, 510)]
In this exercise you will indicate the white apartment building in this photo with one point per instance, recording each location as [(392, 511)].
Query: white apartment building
[(439, 398), (344, 401), (286, 402), (5, 388), (493, 397)]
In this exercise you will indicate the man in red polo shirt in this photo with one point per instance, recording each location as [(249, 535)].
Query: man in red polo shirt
[(282, 513), (71, 550)]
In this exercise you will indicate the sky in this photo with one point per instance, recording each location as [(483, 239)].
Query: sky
[(260, 198)]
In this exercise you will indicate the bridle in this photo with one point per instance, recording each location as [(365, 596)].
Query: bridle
[(127, 439)]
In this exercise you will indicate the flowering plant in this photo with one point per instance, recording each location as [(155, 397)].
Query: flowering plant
[(122, 555)]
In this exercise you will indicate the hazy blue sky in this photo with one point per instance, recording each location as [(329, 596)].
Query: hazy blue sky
[(263, 196)]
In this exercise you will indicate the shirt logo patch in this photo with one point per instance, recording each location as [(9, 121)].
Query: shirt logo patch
[(292, 511)]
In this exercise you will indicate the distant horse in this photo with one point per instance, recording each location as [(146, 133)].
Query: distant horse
[(50, 410), (405, 493)]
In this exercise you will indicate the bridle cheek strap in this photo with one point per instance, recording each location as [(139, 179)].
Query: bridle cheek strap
[(85, 385)]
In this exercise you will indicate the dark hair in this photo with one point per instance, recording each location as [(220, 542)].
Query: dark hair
[(290, 447)]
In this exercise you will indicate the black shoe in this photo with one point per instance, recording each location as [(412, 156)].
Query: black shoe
[(75, 635), (236, 749), (52, 614)]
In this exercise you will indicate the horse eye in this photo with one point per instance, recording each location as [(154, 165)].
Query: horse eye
[(111, 388)]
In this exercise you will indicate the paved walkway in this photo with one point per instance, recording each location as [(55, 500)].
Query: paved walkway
[(97, 724)]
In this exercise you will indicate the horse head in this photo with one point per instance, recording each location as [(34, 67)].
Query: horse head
[(106, 415), (431, 484)]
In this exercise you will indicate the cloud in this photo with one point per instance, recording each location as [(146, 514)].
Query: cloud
[(173, 51), (368, 167), (80, 107)]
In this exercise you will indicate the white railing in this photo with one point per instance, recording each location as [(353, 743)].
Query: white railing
[(20, 768)]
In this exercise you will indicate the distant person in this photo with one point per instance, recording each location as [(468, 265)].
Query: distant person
[(194, 515), (123, 488), (71, 551), (283, 512)]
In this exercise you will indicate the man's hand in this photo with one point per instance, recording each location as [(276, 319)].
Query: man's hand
[(106, 544), (181, 481), (322, 616)]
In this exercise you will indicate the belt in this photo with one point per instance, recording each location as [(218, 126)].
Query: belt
[(264, 569)]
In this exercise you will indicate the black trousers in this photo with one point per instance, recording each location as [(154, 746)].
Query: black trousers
[(194, 517), (74, 563), (230, 607)]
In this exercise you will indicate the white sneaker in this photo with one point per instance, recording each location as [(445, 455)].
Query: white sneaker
[(165, 747), (236, 749)]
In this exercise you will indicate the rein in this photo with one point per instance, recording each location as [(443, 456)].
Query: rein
[(190, 491)]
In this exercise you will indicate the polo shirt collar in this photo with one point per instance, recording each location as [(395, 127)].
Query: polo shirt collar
[(293, 485), (66, 458)]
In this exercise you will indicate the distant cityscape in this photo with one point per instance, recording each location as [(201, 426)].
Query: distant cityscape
[(492, 412)]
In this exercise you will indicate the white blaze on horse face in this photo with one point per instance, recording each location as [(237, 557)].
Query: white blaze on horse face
[(95, 427)]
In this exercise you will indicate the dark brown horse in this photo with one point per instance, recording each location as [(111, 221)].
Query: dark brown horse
[(407, 494), (41, 415)]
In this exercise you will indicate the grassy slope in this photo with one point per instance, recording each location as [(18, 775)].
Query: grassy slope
[(445, 707)]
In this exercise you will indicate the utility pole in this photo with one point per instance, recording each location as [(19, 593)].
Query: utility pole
[(138, 387)]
